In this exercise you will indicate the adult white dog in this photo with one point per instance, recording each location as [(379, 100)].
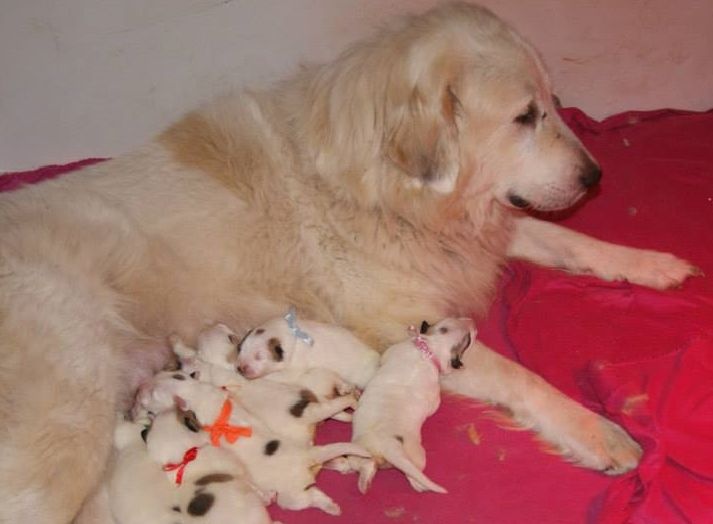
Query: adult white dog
[(374, 191)]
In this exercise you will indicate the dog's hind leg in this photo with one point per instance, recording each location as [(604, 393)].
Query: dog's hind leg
[(311, 497), (415, 452), (324, 409), (575, 432), (58, 383)]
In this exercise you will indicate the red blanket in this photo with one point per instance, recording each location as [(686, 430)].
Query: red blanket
[(642, 357)]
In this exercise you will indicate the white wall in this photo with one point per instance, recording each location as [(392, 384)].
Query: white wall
[(96, 77)]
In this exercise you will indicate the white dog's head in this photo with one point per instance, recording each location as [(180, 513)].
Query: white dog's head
[(266, 349), (452, 106), (448, 340)]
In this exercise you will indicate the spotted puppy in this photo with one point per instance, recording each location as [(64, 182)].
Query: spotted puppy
[(291, 409), (281, 466), (292, 346), (403, 393), (174, 478)]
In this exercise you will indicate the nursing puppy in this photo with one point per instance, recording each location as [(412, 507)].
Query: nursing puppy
[(290, 409), (387, 186), (212, 488), (404, 392), (275, 465), (293, 346)]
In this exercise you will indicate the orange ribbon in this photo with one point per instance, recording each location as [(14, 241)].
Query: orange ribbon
[(188, 457), (221, 427)]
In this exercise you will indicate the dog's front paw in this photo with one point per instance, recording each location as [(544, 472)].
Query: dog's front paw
[(621, 453), (606, 448), (652, 269)]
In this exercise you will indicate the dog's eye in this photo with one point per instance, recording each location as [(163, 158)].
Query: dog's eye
[(529, 117), (443, 330)]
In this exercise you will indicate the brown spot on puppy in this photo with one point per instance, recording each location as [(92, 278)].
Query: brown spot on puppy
[(176, 509), (201, 504), (214, 477), (271, 447), (399, 438), (188, 419), (275, 347), (298, 408)]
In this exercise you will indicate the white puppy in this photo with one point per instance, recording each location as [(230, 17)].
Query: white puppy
[(292, 346), (281, 466), (204, 483), (403, 393), (291, 410)]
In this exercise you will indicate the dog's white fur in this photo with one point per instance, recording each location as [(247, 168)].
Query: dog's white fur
[(273, 347), (289, 470), (402, 395), (373, 191), (291, 410), (141, 492)]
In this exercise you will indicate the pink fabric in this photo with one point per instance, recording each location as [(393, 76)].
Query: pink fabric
[(642, 357)]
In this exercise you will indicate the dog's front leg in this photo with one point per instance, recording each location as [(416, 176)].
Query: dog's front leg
[(577, 433), (551, 245)]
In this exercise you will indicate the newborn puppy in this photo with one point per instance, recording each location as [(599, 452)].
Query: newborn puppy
[(291, 410), (403, 393), (275, 465), (212, 487), (287, 343)]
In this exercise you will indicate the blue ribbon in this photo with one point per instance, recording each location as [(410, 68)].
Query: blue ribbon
[(291, 319)]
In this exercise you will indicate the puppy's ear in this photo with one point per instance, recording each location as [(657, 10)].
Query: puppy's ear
[(424, 142), (189, 419)]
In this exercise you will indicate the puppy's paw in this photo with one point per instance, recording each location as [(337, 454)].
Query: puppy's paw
[(343, 388), (652, 269)]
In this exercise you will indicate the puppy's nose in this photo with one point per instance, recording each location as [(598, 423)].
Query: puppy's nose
[(590, 173)]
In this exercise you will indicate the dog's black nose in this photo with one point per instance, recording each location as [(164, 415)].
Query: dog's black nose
[(590, 174)]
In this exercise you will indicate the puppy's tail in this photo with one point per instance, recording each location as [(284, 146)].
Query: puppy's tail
[(396, 456), (321, 454)]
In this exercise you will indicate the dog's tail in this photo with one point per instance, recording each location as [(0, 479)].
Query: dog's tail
[(321, 454), (395, 455)]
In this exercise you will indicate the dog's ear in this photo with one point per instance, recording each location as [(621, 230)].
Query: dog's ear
[(424, 142), (189, 419)]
